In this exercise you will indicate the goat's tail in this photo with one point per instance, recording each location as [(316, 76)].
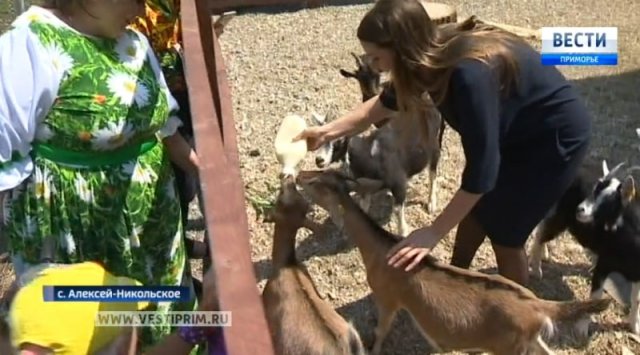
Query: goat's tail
[(574, 310), (355, 343)]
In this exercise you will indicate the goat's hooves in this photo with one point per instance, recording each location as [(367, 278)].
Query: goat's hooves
[(405, 231), (536, 272), (581, 328), (432, 207), (634, 325), (545, 253)]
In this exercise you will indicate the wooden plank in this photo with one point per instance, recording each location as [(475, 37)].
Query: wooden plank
[(224, 208), (218, 6), (205, 27), (229, 133)]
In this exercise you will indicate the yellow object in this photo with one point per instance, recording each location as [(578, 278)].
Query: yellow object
[(66, 327), (288, 152)]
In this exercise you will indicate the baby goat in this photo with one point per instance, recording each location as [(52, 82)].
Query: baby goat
[(611, 215), (299, 320), (563, 216), (393, 153), (456, 309)]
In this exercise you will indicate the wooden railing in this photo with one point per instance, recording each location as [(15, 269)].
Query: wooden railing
[(221, 183), (225, 5), (220, 177)]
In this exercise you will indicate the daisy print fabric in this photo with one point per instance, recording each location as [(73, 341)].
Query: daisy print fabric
[(111, 96)]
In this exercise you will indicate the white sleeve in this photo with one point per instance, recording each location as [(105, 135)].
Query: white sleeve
[(28, 87), (174, 122)]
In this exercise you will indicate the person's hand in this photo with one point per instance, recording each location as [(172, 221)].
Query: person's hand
[(315, 136), (413, 248)]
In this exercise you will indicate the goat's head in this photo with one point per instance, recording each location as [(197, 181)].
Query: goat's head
[(333, 151), (609, 197), (368, 78), (290, 207), (330, 188)]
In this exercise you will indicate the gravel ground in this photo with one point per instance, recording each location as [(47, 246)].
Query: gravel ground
[(287, 62)]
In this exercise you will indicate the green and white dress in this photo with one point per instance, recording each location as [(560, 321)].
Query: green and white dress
[(81, 119)]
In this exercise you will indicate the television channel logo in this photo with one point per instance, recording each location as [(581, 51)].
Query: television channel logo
[(579, 45)]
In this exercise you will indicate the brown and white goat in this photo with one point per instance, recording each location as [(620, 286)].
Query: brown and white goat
[(394, 152), (456, 309), (300, 321)]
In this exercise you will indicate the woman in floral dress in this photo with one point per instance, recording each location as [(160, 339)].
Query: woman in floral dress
[(88, 131)]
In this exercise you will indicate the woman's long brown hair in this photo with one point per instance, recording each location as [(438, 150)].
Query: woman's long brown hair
[(428, 52)]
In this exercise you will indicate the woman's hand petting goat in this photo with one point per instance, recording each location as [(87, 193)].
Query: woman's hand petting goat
[(414, 248), (421, 241)]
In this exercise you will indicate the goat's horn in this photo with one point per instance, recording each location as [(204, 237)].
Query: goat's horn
[(633, 168), (614, 171), (358, 61)]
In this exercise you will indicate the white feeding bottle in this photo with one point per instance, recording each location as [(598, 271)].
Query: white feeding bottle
[(288, 152)]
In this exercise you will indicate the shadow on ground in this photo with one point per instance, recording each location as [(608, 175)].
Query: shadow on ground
[(403, 334), (614, 124)]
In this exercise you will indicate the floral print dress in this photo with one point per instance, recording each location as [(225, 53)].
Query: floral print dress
[(161, 24), (88, 178)]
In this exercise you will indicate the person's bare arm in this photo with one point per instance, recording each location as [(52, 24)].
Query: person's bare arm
[(181, 153), (359, 119), (457, 209)]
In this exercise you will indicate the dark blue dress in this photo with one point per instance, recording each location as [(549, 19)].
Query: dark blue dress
[(522, 149)]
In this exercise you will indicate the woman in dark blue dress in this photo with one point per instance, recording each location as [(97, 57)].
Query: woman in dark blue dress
[(523, 127)]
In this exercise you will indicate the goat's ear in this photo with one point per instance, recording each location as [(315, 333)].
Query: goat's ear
[(269, 215), (347, 74), (605, 168), (352, 185), (318, 119), (288, 193), (628, 190), (366, 185)]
